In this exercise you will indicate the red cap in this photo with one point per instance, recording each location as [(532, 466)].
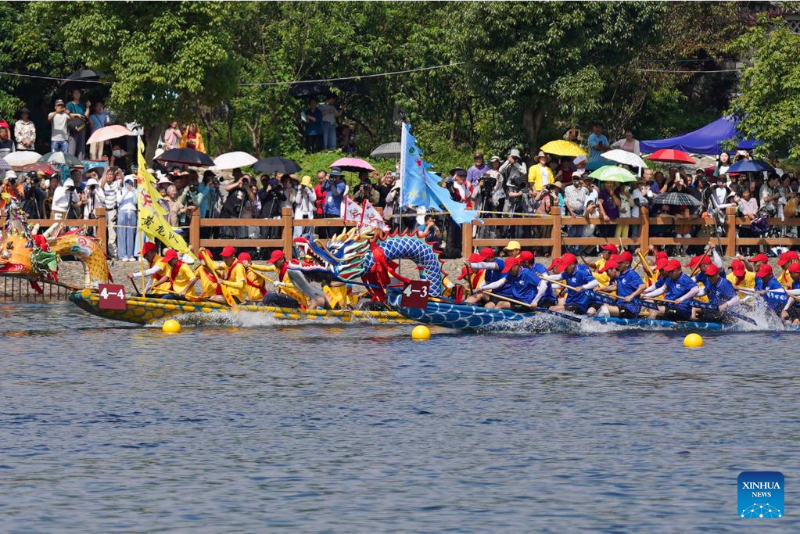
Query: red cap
[(565, 261), (662, 254), (525, 255), (609, 265), (661, 263), (711, 270), (612, 248), (759, 257), (625, 256), (276, 255), (554, 264), (510, 262), (227, 252), (170, 255), (475, 258), (764, 270), (148, 247), (737, 267), (487, 252), (786, 257), (244, 256), (794, 268), (672, 265)]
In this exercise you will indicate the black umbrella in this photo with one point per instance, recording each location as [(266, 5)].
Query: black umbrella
[(275, 164), (676, 199), (387, 150), (83, 77), (186, 156)]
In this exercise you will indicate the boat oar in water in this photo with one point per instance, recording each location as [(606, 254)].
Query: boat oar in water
[(652, 304), (567, 316)]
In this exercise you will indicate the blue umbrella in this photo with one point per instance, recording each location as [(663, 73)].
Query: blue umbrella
[(750, 166), (596, 164)]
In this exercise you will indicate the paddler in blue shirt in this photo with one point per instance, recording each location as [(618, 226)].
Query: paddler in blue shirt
[(679, 288), (770, 288), (721, 294), (519, 283), (628, 285), (791, 312), (579, 278)]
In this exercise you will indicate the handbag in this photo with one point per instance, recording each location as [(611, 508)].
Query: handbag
[(76, 125)]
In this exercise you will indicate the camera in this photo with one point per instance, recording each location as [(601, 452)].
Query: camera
[(489, 183)]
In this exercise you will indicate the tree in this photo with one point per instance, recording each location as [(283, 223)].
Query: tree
[(546, 59), (769, 105)]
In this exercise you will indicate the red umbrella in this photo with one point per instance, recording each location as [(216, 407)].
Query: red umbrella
[(670, 156), (36, 167)]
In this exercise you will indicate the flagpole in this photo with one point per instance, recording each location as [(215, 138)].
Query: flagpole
[(141, 260)]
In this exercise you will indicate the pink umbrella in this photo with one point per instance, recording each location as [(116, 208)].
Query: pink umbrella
[(108, 132), (352, 165)]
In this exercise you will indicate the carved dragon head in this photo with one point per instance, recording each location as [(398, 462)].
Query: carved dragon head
[(344, 254)]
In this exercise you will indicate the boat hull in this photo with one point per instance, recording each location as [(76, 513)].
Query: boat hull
[(141, 310)]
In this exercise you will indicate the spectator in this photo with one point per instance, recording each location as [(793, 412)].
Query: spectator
[(598, 143), (6, 144), (289, 190), (513, 168), (35, 198), (111, 184), (641, 197), (65, 200), (209, 188), (92, 198), (53, 182), (575, 202), (346, 141), (564, 174), (119, 157), (126, 220), (723, 164), (271, 196), (681, 212), (769, 194), (366, 191), (386, 185), (98, 119), (192, 138), (59, 136), (335, 188), (11, 187), (478, 169), (627, 143), (192, 198), (322, 177), (608, 202), (313, 118), (580, 167), (625, 204), (431, 232), (172, 136), (660, 184), (305, 205), (329, 118), (79, 115), (540, 175), (25, 131)]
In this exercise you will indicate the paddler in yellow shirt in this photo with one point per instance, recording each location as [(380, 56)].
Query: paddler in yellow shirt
[(741, 277), (234, 276), (785, 260), (178, 278), (287, 295), (208, 280), (256, 285), (607, 251), (156, 268)]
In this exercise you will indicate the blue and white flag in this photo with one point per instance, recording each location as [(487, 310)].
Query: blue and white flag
[(420, 188)]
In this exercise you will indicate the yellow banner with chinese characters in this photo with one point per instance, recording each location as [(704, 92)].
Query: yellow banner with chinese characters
[(151, 214)]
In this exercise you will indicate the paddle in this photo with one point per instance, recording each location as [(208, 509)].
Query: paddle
[(652, 304), (533, 309), (225, 291)]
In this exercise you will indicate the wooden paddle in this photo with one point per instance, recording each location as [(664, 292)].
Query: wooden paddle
[(543, 310), (225, 291)]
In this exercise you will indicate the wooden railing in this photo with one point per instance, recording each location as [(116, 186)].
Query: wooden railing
[(554, 222), (100, 224)]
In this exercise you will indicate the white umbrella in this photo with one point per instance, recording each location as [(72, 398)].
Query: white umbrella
[(233, 160), (625, 157), (22, 157), (108, 132)]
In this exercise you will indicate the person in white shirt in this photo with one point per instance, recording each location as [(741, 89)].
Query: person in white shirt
[(93, 198), (305, 204), (24, 131), (64, 196), (111, 183), (126, 231), (329, 119), (627, 143)]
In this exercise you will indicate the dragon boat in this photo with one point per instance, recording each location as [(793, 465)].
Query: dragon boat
[(477, 318)]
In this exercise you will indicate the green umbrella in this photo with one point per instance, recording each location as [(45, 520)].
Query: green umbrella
[(612, 173)]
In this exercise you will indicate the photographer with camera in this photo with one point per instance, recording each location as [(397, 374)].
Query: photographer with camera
[(335, 188), (190, 197), (92, 198), (235, 204), (35, 198), (305, 205), (271, 195), (365, 191), (513, 168), (65, 201), (486, 194)]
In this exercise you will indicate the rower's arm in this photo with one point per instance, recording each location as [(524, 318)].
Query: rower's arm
[(497, 284), (148, 272), (541, 290), (689, 294), (264, 268), (552, 277), (235, 284), (716, 259), (657, 291), (793, 292), (702, 292), (639, 291), (161, 280), (590, 285), (732, 302)]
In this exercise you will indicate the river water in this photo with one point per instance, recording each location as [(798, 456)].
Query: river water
[(259, 426)]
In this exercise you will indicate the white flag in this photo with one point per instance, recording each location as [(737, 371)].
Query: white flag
[(363, 216)]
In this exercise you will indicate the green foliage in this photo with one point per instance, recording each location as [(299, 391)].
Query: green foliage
[(769, 105)]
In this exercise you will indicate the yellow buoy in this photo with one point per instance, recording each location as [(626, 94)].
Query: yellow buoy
[(420, 333), (171, 327), (693, 341)]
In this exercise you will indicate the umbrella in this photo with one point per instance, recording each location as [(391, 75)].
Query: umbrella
[(750, 166), (563, 148), (387, 150), (612, 173), (83, 76), (108, 132), (599, 162), (352, 165), (670, 156), (60, 158), (233, 160), (4, 166), (186, 156), (676, 199), (22, 157), (36, 167), (625, 157), (275, 164)]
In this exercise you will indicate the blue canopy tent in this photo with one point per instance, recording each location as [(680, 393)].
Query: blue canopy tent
[(706, 140)]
